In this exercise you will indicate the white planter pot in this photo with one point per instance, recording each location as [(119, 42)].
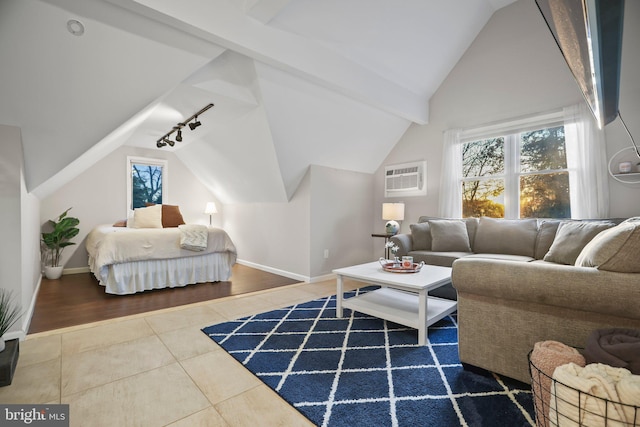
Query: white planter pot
[(53, 273)]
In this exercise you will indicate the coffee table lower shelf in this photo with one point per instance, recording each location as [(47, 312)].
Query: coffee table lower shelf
[(400, 307)]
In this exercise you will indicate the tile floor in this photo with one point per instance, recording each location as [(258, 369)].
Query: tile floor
[(156, 369)]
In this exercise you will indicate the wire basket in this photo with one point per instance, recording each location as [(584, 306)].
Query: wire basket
[(558, 404)]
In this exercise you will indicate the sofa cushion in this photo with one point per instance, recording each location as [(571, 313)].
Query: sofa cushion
[(571, 237), (502, 257), (421, 236), (546, 233), (444, 259), (449, 236), (506, 236), (615, 249)]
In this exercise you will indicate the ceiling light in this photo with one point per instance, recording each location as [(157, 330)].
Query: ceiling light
[(75, 27), (195, 124), (164, 141)]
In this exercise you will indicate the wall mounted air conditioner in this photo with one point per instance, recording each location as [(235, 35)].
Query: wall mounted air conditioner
[(406, 179)]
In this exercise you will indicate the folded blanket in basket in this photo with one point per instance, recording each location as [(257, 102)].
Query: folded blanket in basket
[(546, 357), (193, 237), (629, 392), (587, 396), (617, 347)]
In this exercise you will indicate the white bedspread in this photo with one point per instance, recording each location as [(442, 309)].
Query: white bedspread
[(108, 245)]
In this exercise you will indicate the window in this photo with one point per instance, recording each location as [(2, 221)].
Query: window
[(146, 182), (517, 175), (548, 165)]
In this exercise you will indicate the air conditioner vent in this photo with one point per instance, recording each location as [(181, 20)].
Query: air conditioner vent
[(407, 179)]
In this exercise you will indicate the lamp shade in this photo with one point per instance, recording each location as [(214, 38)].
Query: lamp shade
[(210, 209), (393, 211)]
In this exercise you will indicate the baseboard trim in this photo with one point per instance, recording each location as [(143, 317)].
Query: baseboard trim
[(26, 317), (277, 271)]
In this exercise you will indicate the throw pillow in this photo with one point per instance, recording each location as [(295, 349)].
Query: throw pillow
[(615, 249), (149, 217), (121, 223), (571, 238), (449, 236), (421, 236), (171, 216), (506, 236)]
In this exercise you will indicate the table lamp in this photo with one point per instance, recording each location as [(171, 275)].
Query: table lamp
[(392, 213), (210, 209)]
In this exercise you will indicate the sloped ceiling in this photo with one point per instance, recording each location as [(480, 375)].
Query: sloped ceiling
[(294, 82)]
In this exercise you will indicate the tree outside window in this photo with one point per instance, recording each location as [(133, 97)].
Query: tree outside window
[(146, 182), (528, 167)]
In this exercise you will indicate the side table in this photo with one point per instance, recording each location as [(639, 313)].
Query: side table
[(386, 236)]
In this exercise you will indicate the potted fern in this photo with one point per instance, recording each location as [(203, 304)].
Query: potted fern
[(9, 314), (64, 229)]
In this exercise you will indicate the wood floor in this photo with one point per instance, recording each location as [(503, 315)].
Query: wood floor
[(76, 299)]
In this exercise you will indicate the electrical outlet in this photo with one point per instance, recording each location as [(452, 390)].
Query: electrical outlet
[(326, 253)]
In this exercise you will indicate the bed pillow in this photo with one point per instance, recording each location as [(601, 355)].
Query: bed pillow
[(615, 249), (571, 237), (449, 236), (149, 217), (171, 216)]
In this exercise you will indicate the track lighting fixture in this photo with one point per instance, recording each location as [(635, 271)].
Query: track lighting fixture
[(164, 140)]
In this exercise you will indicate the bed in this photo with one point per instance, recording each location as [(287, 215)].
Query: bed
[(127, 260)]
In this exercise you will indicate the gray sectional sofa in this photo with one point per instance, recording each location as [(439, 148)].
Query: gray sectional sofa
[(527, 280)]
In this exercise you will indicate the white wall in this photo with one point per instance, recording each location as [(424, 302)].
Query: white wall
[(331, 209), (273, 236), (340, 216), (99, 196), (512, 69), (19, 251)]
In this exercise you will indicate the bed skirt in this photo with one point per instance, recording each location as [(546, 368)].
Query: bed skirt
[(137, 276)]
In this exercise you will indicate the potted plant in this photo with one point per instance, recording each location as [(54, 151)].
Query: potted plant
[(9, 314), (64, 229)]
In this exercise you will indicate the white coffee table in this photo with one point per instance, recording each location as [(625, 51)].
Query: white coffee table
[(402, 297)]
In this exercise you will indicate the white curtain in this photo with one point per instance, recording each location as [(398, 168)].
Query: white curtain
[(450, 200), (587, 163)]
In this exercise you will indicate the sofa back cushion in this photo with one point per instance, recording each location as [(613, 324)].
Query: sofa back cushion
[(423, 227), (571, 237), (615, 249), (547, 229), (421, 236), (449, 236), (506, 236)]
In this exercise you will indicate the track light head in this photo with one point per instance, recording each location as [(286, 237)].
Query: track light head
[(168, 141), (160, 143), (179, 135), (195, 124)]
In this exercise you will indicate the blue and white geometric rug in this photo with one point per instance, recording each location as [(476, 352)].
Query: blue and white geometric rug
[(363, 371)]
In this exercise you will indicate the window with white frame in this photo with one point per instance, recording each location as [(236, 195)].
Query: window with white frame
[(146, 182), (517, 175)]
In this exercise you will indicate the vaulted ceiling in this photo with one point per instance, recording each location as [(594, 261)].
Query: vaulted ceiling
[(294, 82)]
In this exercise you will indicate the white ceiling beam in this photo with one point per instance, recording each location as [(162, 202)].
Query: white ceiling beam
[(224, 23)]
